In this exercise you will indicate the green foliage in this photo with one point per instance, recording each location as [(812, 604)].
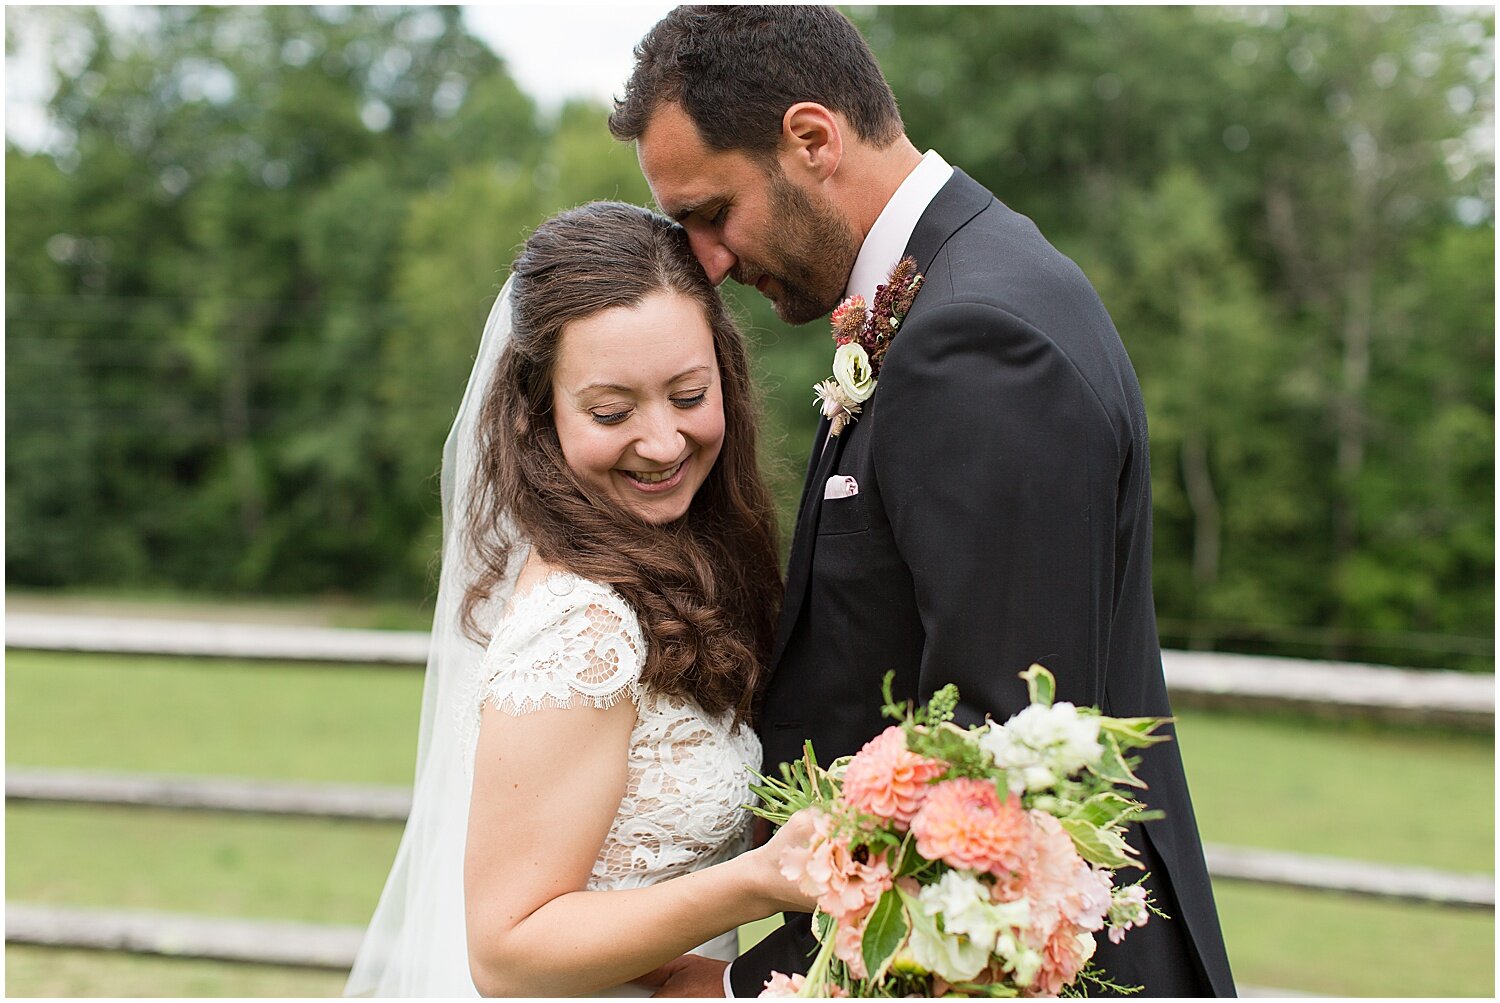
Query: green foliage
[(885, 932), (245, 283), (1041, 686), (803, 784), (1098, 845), (938, 709)]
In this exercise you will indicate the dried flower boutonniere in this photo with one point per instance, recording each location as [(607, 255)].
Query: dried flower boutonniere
[(863, 334)]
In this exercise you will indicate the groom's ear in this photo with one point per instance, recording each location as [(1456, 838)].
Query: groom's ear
[(812, 141)]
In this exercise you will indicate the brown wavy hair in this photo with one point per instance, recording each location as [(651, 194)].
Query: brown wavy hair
[(706, 588)]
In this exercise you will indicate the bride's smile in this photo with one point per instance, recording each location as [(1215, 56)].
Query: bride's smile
[(656, 480)]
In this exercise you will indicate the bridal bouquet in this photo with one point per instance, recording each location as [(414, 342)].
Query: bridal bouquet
[(967, 862)]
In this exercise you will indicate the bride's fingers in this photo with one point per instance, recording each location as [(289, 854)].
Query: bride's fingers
[(800, 827), (656, 978)]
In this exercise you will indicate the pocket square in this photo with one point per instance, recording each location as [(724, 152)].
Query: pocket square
[(840, 486)]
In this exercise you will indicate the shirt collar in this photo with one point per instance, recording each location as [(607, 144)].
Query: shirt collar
[(893, 228)]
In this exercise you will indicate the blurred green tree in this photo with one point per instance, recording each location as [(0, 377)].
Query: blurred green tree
[(1264, 197), (246, 280)]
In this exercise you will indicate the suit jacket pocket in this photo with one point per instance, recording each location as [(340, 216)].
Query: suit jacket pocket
[(843, 515)]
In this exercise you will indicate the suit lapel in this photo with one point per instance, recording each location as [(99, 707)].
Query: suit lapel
[(824, 458), (959, 201)]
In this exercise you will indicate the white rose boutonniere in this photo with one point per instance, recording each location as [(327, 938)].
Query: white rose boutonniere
[(852, 370)]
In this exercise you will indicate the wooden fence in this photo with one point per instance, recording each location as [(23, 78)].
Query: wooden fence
[(1196, 679)]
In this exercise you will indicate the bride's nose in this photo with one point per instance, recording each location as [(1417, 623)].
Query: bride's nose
[(661, 439)]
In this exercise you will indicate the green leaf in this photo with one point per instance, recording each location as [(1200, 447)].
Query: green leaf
[(1040, 685), (986, 990), (1134, 732), (911, 860), (1112, 765), (1106, 808), (1096, 845), (885, 932)]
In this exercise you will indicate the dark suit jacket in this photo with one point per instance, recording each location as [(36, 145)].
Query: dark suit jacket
[(1003, 518)]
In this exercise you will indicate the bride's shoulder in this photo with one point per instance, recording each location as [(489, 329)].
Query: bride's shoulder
[(563, 636), (551, 592)]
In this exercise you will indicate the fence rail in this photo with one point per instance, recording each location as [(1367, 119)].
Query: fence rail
[(265, 942), (390, 804), (1196, 679)]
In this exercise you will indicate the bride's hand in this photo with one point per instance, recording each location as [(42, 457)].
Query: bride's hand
[(796, 834)]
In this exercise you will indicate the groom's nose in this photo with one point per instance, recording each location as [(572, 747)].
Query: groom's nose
[(717, 260)]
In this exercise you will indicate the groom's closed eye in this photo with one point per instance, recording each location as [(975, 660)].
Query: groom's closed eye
[(711, 212)]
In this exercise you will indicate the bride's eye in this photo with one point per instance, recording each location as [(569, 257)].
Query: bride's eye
[(609, 417), (693, 401)]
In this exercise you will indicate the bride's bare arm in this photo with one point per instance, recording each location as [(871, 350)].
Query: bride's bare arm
[(547, 786)]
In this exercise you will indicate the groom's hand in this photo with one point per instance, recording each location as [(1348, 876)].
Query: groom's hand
[(687, 977)]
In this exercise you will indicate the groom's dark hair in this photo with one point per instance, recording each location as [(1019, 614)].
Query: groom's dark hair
[(736, 70)]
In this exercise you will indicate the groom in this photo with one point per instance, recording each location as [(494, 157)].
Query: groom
[(990, 505)]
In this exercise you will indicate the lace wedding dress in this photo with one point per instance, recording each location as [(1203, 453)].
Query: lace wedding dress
[(567, 642), (570, 642)]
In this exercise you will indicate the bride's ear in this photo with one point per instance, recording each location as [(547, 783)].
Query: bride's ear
[(812, 140)]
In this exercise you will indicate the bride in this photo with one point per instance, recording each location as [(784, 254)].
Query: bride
[(604, 617)]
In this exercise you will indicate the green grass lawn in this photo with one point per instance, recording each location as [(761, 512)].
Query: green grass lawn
[(1377, 794), (254, 719)]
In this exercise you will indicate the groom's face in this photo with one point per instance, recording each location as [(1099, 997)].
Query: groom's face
[(747, 220)]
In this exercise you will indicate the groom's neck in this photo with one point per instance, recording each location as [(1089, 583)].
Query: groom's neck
[(873, 175)]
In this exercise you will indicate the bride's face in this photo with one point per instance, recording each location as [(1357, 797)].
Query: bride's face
[(638, 405)]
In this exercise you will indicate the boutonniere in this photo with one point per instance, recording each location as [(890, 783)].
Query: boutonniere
[(862, 335)]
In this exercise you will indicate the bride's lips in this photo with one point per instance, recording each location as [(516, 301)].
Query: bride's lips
[(656, 487)]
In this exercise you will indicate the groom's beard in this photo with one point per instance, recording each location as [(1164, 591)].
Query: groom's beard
[(812, 258)]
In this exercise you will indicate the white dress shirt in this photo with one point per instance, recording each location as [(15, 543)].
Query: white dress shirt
[(887, 239), (883, 247)]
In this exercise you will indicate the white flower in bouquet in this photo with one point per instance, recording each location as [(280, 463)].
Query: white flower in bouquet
[(964, 903), (955, 958), (1127, 911), (1022, 961), (1042, 745)]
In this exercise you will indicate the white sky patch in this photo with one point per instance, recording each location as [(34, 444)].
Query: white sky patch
[(565, 51), (554, 52)]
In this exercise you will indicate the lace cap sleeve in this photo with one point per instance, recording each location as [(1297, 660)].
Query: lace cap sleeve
[(569, 642)]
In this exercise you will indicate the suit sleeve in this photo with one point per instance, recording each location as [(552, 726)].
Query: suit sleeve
[(997, 467), (787, 949)]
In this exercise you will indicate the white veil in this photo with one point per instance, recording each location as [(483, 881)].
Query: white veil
[(416, 944)]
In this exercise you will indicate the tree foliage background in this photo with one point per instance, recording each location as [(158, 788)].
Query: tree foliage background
[(245, 282)]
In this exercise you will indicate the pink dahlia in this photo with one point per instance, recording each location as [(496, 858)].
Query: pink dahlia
[(964, 823), (1062, 887), (1063, 957), (888, 780), (844, 879)]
